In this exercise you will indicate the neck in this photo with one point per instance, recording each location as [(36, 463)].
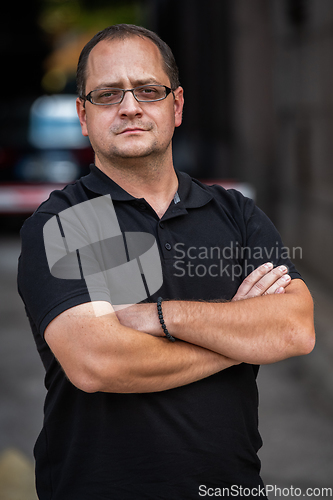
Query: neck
[(155, 182)]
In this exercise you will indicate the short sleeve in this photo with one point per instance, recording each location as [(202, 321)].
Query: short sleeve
[(263, 242), (44, 295)]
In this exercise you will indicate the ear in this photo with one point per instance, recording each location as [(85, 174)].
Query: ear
[(178, 105), (81, 111)]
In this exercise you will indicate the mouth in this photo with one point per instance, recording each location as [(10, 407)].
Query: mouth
[(134, 130)]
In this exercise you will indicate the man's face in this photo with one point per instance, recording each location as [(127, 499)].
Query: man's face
[(130, 129)]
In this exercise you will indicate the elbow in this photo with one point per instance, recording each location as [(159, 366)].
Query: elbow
[(85, 381), (308, 331), (300, 323), (303, 336), (89, 386), (87, 374), (304, 343), (308, 341), (102, 376)]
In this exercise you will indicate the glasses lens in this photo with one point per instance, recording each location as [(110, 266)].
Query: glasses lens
[(150, 93), (106, 96)]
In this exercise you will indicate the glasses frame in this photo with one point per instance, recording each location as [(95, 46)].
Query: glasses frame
[(168, 91)]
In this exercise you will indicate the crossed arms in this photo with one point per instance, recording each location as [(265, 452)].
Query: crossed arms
[(269, 319)]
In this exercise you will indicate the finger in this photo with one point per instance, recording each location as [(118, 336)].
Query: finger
[(269, 280), (252, 279), (282, 282), (265, 279)]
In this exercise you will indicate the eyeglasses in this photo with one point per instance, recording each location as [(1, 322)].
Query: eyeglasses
[(146, 93)]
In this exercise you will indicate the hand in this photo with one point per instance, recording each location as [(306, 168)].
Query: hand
[(263, 281)]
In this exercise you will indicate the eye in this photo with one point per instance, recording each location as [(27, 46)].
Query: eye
[(109, 93), (150, 92), (105, 96)]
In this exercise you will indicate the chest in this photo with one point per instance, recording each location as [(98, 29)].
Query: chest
[(200, 251)]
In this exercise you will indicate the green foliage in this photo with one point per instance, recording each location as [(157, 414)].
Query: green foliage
[(61, 16)]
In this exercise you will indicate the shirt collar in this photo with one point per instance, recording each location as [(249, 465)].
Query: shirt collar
[(192, 194)]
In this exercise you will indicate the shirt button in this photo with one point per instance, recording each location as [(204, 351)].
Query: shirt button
[(168, 246), (161, 225)]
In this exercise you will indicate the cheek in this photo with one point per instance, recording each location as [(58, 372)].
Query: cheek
[(101, 118), (166, 122), (98, 124)]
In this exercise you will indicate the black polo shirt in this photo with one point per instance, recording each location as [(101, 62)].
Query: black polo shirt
[(173, 444)]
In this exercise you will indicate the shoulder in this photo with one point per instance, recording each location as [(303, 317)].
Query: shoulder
[(235, 208), (58, 200), (230, 200)]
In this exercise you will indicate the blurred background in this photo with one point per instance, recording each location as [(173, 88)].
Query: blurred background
[(265, 126)]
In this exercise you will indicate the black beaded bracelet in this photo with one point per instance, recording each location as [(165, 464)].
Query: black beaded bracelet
[(160, 316)]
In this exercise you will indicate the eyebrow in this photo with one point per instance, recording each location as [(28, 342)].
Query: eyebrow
[(137, 83)]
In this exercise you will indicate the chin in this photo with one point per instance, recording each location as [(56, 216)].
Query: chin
[(135, 152)]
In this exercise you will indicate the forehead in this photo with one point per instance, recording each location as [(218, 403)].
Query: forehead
[(121, 61)]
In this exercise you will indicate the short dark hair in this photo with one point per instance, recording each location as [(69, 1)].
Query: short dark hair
[(122, 31)]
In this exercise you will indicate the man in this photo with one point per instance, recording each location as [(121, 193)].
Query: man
[(130, 414)]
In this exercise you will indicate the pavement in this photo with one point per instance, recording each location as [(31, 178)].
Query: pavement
[(296, 401)]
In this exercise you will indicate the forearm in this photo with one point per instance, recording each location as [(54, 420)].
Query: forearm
[(145, 363), (258, 330), (100, 354)]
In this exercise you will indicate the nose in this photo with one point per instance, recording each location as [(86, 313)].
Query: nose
[(129, 106)]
